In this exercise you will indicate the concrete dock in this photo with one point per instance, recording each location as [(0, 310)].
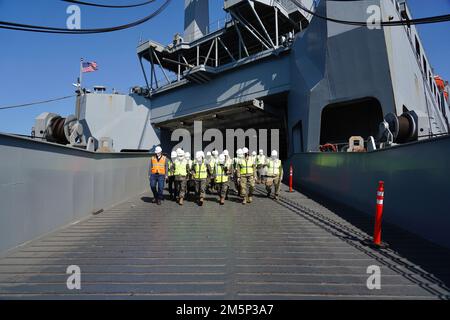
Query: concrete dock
[(294, 248)]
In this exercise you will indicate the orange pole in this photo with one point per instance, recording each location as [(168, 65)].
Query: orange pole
[(379, 214)]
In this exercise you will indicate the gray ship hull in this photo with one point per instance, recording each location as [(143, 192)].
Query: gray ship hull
[(416, 176)]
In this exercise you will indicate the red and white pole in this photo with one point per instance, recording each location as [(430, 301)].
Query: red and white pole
[(291, 179), (378, 214)]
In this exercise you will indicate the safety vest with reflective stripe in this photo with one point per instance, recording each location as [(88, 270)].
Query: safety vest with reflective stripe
[(235, 162), (273, 167), (261, 160), (229, 163), (219, 173), (170, 168), (246, 166), (180, 167), (212, 162), (200, 170), (159, 166)]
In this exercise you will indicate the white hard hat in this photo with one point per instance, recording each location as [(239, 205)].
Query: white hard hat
[(225, 153), (274, 153), (221, 159), (239, 153), (215, 153), (187, 155), (208, 154), (254, 153), (158, 149), (261, 151), (244, 150), (180, 153), (202, 153), (173, 155), (199, 154)]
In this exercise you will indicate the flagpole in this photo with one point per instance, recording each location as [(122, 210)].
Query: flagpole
[(80, 91), (81, 74)]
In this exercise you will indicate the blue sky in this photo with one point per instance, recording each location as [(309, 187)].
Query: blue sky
[(42, 66)]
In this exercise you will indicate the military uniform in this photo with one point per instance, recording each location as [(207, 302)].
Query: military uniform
[(274, 176), (181, 169), (235, 175), (229, 166), (171, 178), (189, 180), (260, 166), (200, 175), (246, 171), (221, 179)]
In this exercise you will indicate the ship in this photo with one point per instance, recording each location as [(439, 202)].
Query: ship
[(346, 105)]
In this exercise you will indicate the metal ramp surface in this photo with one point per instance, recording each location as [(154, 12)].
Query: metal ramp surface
[(291, 249)]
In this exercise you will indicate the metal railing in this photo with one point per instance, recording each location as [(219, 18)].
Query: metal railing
[(212, 27)]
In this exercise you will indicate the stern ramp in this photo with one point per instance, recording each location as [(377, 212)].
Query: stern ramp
[(291, 249)]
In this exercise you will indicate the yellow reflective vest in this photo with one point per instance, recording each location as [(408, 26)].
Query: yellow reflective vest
[(180, 167), (170, 170), (200, 170), (260, 160), (246, 166), (220, 174), (273, 167), (229, 163)]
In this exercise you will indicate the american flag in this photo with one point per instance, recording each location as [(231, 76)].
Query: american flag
[(89, 67)]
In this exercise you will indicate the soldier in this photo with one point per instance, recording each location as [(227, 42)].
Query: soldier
[(209, 160), (274, 174), (212, 163), (171, 176), (157, 174), (229, 165), (221, 178), (253, 156), (239, 156), (189, 181), (260, 165), (199, 172), (246, 170), (180, 167)]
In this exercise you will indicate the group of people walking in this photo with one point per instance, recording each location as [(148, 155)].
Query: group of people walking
[(214, 173)]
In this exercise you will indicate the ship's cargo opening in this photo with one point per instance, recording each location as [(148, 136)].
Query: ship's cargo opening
[(352, 118), (257, 119)]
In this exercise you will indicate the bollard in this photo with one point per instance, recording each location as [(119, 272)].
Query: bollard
[(376, 242), (291, 177), (378, 215)]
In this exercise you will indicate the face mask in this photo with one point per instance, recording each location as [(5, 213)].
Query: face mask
[(181, 158)]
